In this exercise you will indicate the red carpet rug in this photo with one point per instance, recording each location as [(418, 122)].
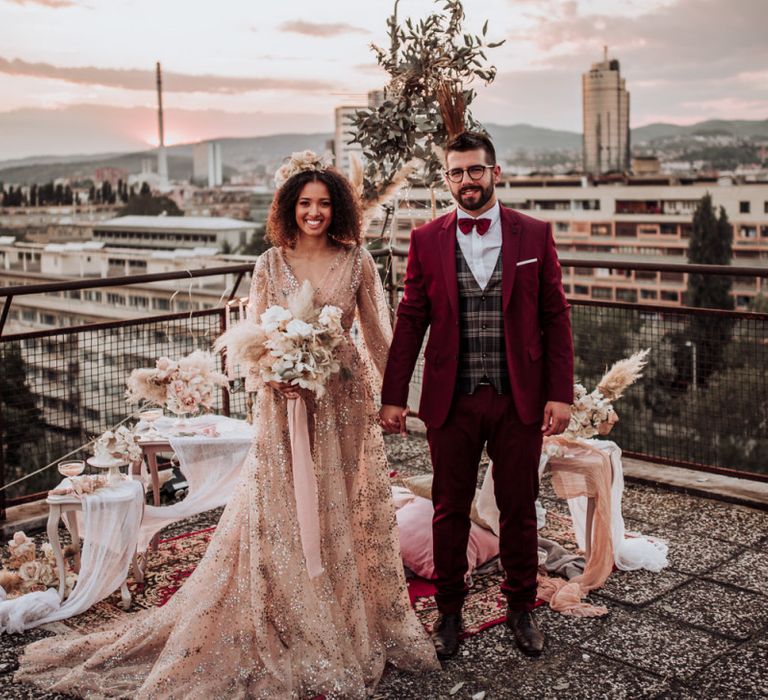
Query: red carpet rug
[(177, 558)]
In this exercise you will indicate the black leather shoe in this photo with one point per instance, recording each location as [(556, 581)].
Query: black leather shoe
[(529, 638), (445, 635)]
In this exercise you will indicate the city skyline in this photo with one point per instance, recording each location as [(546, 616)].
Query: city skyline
[(237, 73)]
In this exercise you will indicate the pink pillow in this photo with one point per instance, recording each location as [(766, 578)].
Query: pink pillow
[(414, 523)]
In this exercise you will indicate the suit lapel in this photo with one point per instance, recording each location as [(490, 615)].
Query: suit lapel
[(447, 251), (510, 252)]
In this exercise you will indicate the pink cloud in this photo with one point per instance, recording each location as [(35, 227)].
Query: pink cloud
[(56, 4), (321, 29), (136, 79)]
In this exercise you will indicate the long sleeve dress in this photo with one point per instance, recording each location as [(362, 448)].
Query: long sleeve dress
[(250, 622)]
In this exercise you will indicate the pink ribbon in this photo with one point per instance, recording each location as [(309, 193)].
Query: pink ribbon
[(305, 486)]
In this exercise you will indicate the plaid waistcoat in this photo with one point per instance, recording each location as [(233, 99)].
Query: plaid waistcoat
[(482, 350)]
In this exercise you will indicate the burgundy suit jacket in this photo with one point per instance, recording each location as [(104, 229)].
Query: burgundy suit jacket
[(537, 325)]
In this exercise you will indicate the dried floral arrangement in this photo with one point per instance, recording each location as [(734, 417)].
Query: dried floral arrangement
[(593, 413), (26, 570), (294, 345), (183, 386), (431, 65)]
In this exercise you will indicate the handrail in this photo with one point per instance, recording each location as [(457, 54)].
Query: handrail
[(124, 280), (570, 260)]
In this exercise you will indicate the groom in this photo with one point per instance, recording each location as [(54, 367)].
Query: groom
[(498, 372)]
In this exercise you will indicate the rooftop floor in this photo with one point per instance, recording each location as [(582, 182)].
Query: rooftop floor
[(698, 629)]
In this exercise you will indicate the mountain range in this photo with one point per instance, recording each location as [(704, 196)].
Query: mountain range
[(247, 153)]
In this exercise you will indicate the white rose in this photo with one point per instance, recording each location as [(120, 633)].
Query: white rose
[(330, 316), (298, 329), (273, 317)]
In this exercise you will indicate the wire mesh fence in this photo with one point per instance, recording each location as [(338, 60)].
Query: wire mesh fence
[(703, 400), (64, 388)]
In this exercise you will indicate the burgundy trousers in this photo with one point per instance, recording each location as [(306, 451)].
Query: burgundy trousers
[(485, 418)]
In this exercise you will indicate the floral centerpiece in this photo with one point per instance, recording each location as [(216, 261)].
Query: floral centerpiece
[(121, 444), (183, 386), (593, 413), (293, 345)]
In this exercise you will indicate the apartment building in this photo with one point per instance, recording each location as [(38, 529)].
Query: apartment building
[(606, 118), (640, 219), (172, 232), (73, 377)]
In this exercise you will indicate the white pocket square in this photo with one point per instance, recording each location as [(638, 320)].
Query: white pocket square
[(527, 262)]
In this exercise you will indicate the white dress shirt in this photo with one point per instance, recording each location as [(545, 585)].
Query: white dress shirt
[(481, 252)]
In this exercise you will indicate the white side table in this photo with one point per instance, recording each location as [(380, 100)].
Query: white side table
[(66, 505)]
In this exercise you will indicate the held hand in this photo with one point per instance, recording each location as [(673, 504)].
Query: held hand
[(557, 415), (392, 419), (289, 391)]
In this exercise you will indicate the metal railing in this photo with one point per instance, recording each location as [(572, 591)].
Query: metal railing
[(702, 403), (703, 400)]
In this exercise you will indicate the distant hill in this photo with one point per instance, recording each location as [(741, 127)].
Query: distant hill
[(236, 153), (179, 167), (243, 153), (740, 128), (508, 139)]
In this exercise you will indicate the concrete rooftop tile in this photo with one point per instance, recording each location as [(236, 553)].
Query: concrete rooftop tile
[(656, 645), (639, 587), (748, 570), (717, 608)]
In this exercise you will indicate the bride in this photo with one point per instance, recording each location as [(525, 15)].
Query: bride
[(251, 622)]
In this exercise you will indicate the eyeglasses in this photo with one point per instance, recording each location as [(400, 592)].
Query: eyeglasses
[(475, 172)]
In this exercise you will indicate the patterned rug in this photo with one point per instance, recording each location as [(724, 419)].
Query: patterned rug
[(177, 557)]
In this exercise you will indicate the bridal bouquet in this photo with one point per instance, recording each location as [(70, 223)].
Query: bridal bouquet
[(294, 345), (183, 386), (592, 413)]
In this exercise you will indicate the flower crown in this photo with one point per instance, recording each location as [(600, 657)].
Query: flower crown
[(301, 161)]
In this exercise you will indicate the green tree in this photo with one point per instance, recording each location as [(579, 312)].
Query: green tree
[(711, 243), (257, 244), (759, 304), (147, 205), (22, 420)]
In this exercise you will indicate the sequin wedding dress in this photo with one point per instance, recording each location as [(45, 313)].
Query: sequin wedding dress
[(250, 622)]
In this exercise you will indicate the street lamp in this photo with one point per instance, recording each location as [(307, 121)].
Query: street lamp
[(690, 344)]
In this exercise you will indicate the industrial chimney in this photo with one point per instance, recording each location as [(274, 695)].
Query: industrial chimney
[(162, 160)]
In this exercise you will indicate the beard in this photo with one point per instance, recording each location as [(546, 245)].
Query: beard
[(478, 196)]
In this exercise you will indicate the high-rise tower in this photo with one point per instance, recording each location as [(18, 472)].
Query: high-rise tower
[(162, 159), (606, 118)]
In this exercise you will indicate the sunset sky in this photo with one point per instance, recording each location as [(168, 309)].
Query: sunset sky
[(237, 68)]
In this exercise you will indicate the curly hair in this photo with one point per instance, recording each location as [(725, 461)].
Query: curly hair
[(346, 220)]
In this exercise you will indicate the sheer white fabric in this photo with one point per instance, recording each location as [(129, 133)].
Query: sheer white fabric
[(630, 553), (111, 518), (211, 466)]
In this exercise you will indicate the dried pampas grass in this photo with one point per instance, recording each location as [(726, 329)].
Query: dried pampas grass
[(450, 98), (399, 180), (141, 384), (243, 343), (302, 303), (622, 374), (356, 175)]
